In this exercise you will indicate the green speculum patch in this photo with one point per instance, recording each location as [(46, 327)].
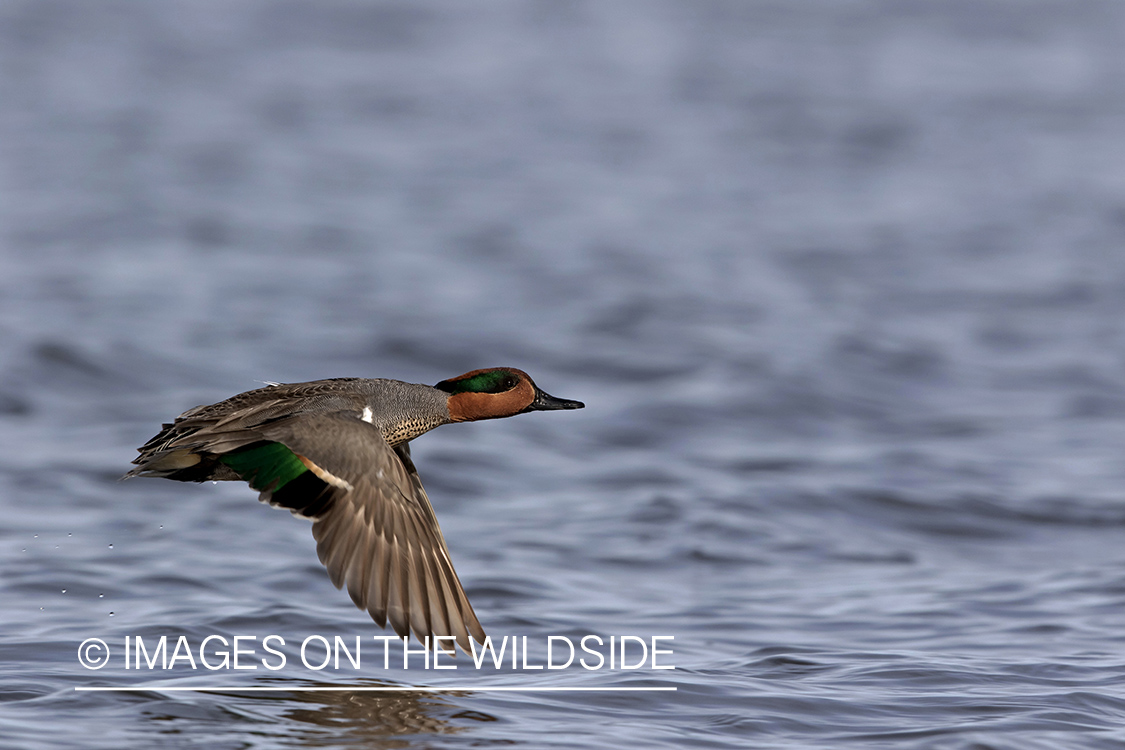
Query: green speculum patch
[(269, 466)]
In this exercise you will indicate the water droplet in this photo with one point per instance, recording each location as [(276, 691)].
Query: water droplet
[(35, 536), (111, 614), (111, 546), (162, 526), (68, 534), (101, 596), (24, 549), (56, 546), (64, 591)]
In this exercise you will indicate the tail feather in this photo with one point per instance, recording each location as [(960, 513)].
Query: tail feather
[(163, 463), (190, 448), (183, 466), (190, 454)]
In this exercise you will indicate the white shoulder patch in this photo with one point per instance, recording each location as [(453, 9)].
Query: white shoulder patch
[(367, 414)]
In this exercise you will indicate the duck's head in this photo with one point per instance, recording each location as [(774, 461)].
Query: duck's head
[(498, 392)]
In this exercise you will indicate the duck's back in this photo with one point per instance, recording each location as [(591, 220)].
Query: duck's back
[(182, 449)]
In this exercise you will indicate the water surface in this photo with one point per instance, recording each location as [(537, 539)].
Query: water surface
[(842, 286)]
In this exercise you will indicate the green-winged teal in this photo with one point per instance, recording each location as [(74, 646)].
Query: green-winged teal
[(338, 452)]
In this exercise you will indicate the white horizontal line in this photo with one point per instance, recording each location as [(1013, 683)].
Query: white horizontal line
[(298, 689)]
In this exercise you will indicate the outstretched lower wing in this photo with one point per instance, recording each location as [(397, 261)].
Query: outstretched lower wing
[(375, 529)]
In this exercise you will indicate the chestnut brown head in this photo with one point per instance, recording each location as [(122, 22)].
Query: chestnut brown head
[(498, 392)]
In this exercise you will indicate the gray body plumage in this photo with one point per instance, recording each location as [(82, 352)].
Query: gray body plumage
[(400, 411), (376, 531)]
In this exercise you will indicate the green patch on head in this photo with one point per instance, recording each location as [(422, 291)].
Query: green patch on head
[(486, 381), (268, 466)]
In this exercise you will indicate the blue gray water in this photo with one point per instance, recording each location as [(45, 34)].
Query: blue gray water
[(841, 284)]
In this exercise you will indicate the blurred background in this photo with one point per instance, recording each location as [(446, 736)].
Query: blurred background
[(842, 285)]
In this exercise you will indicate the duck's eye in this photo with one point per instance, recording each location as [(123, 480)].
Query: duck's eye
[(503, 384), (491, 381)]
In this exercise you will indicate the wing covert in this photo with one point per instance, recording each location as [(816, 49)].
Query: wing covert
[(376, 531)]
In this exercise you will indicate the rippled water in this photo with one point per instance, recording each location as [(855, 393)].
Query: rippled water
[(841, 284)]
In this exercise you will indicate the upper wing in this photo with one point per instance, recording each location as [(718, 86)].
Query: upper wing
[(187, 449), (375, 529)]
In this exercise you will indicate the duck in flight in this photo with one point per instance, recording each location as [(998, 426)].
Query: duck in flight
[(338, 452)]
